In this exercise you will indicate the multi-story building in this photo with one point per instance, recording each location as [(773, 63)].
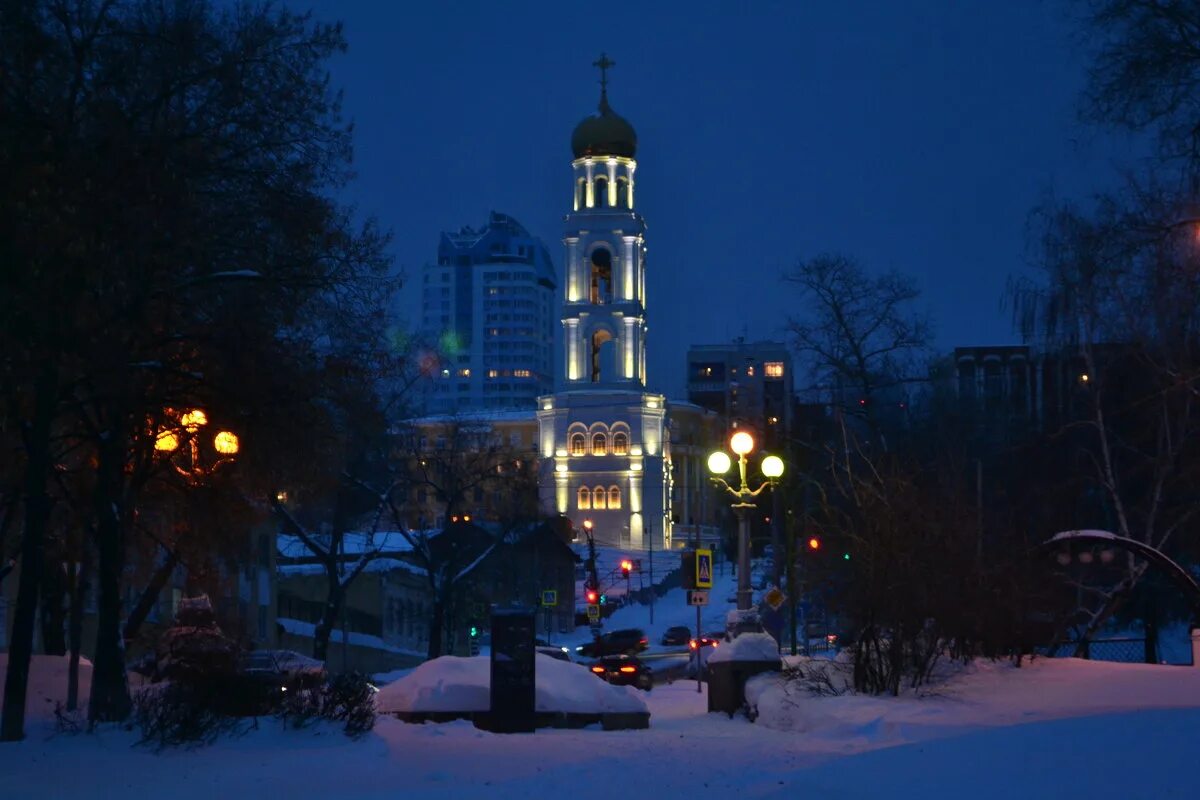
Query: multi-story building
[(604, 440), (487, 305), (748, 383)]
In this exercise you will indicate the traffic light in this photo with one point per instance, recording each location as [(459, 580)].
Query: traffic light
[(814, 544), (474, 631), (626, 568), (593, 597), (845, 556), (603, 599)]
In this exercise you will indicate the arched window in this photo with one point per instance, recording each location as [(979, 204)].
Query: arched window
[(578, 445), (599, 444), (601, 192), (583, 498), (601, 280), (622, 192), (620, 443), (598, 498), (614, 497), (599, 339)]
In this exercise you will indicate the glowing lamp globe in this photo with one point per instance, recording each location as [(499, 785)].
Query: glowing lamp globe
[(193, 419), (166, 442), (719, 463), (226, 443), (772, 466), (741, 443)]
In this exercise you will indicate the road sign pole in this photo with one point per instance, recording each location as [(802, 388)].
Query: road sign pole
[(699, 662)]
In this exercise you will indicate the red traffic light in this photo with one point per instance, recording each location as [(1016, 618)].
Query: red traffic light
[(626, 567), (814, 543), (593, 597)]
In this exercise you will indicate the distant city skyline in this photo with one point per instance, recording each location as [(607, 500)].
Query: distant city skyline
[(914, 136)]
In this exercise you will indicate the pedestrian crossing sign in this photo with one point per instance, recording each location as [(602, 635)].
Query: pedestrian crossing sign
[(704, 569)]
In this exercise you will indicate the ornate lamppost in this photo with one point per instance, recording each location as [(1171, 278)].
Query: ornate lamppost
[(742, 444), (225, 443)]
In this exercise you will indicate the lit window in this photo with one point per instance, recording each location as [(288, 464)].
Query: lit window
[(493, 373), (578, 444), (599, 497), (584, 498), (614, 497), (465, 372), (599, 444), (773, 369), (620, 443), (750, 371), (521, 373)]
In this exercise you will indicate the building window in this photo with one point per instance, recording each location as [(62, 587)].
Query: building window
[(614, 497), (583, 498), (620, 443), (578, 444), (750, 371), (599, 497), (599, 444), (773, 369)]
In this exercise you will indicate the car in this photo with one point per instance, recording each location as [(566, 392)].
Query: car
[(614, 643), (677, 634), (624, 670), (555, 652), (699, 650)]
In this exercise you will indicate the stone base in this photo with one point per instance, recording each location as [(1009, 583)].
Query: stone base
[(613, 721)]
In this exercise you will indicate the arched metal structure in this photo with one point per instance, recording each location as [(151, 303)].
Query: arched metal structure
[(1178, 575)]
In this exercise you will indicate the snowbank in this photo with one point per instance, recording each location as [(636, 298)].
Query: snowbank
[(451, 683), (48, 683), (747, 647)]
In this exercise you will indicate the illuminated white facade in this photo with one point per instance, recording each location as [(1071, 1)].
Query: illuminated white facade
[(604, 439)]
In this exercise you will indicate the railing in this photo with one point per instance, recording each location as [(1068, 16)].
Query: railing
[(1124, 651)]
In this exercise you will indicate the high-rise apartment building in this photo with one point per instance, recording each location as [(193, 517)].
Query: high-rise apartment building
[(487, 305)]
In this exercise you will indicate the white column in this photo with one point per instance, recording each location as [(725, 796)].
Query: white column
[(629, 268), (612, 183), (629, 172), (591, 190), (572, 267), (571, 330)]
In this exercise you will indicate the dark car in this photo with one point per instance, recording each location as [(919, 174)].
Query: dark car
[(615, 643), (624, 671), (678, 634), (557, 653)]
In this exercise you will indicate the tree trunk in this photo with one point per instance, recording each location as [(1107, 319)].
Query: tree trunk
[(53, 614), (149, 598), (79, 589), (325, 627), (37, 518), (437, 624), (110, 688)]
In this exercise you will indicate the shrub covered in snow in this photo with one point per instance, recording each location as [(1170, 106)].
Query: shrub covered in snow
[(349, 699)]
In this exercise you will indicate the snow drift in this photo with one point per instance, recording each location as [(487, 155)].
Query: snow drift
[(451, 683)]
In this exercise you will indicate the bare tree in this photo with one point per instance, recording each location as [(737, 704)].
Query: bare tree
[(1146, 71), (467, 467), (1119, 293), (860, 334)]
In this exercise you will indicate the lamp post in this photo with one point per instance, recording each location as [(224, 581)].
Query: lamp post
[(742, 444), (225, 443)]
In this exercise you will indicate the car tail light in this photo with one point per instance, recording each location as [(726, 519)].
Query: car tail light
[(598, 670), (628, 669), (643, 640), (693, 644)]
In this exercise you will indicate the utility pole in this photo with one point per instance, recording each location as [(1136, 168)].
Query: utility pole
[(651, 559), (790, 564)]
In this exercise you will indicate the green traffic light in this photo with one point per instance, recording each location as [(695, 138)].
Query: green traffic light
[(603, 599), (474, 631), (845, 556)]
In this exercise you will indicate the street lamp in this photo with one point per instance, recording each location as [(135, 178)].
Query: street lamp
[(225, 443), (742, 444)]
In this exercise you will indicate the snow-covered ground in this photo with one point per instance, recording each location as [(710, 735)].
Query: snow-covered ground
[(1056, 728)]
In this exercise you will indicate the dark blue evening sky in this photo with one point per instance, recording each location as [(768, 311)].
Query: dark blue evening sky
[(914, 135)]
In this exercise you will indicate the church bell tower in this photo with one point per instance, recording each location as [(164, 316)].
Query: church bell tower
[(604, 438)]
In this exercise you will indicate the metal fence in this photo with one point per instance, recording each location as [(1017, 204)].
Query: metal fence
[(1125, 651)]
